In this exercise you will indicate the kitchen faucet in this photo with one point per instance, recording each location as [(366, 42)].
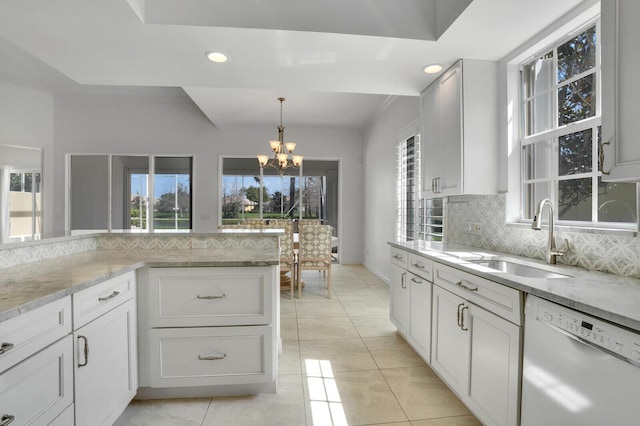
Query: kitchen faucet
[(552, 250)]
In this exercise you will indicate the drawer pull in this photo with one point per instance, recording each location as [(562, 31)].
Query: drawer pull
[(111, 296), (416, 281), (6, 419), (4, 348), (397, 256), (418, 265), (461, 284), (222, 296), (86, 351), (212, 357)]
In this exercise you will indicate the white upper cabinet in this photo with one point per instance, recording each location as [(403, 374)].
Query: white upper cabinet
[(459, 131), (620, 90)]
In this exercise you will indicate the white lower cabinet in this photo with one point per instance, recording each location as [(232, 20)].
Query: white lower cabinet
[(36, 365), (106, 374), (208, 331), (478, 354), (399, 299), (451, 340), (39, 388), (420, 315), (410, 299)]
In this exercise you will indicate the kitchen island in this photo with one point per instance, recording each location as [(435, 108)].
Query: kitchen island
[(102, 318)]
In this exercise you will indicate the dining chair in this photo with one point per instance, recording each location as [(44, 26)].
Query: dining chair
[(314, 252), (287, 258)]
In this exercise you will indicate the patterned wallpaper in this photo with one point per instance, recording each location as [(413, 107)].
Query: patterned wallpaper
[(596, 251)]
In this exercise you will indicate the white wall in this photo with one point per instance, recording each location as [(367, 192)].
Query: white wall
[(380, 139), (123, 124), (26, 119)]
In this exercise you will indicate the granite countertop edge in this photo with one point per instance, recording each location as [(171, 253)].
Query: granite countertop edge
[(607, 296), (98, 266)]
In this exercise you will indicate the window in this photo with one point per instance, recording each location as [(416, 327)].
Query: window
[(113, 193), (408, 189), (560, 136), (25, 199)]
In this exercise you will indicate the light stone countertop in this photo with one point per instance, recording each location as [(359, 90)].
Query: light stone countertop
[(611, 297), (29, 286)]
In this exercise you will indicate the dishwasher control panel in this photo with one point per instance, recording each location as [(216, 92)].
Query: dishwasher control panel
[(614, 339)]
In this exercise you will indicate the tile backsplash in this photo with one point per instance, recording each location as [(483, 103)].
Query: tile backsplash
[(486, 213)]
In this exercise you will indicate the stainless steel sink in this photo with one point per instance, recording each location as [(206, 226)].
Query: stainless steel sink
[(518, 269)]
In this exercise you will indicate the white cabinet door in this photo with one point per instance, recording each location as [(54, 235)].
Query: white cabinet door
[(494, 393), (451, 121), (430, 139), (39, 388), (450, 340), (620, 90), (420, 316), (400, 297), (106, 376), (459, 122)]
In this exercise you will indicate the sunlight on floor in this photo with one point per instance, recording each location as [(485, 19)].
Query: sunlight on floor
[(326, 406)]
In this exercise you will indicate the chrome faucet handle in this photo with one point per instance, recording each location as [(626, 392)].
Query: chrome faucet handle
[(561, 252)]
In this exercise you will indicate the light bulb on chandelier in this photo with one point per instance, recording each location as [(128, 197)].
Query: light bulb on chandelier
[(283, 157)]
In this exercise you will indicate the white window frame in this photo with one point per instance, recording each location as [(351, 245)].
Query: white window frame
[(570, 25)]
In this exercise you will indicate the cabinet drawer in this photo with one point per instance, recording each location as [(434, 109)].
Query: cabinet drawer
[(211, 356), (26, 334), (399, 257), (38, 389), (497, 298), (197, 297), (89, 304), (421, 266)]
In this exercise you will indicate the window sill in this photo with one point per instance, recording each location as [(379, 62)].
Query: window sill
[(626, 232)]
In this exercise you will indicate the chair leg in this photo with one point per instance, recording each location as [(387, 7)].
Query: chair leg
[(299, 281), (293, 282), (329, 281)]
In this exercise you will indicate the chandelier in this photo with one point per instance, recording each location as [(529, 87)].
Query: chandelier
[(283, 157)]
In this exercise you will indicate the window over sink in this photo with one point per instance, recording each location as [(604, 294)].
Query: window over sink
[(560, 119)]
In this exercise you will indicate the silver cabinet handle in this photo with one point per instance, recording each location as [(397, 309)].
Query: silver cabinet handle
[(221, 296), (86, 351), (111, 296), (601, 157), (458, 321), (462, 318), (413, 279), (397, 256), (212, 357), (402, 283), (418, 265), (4, 348), (6, 419), (461, 285)]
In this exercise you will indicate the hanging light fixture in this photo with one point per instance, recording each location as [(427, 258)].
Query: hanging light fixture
[(283, 157)]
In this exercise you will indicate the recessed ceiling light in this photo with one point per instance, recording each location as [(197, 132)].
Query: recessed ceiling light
[(432, 69), (217, 57)]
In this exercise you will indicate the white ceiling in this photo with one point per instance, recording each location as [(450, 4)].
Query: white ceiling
[(335, 61)]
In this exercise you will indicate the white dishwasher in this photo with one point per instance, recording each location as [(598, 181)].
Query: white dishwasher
[(577, 370)]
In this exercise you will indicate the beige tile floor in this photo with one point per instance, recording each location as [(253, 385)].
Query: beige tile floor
[(342, 364)]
